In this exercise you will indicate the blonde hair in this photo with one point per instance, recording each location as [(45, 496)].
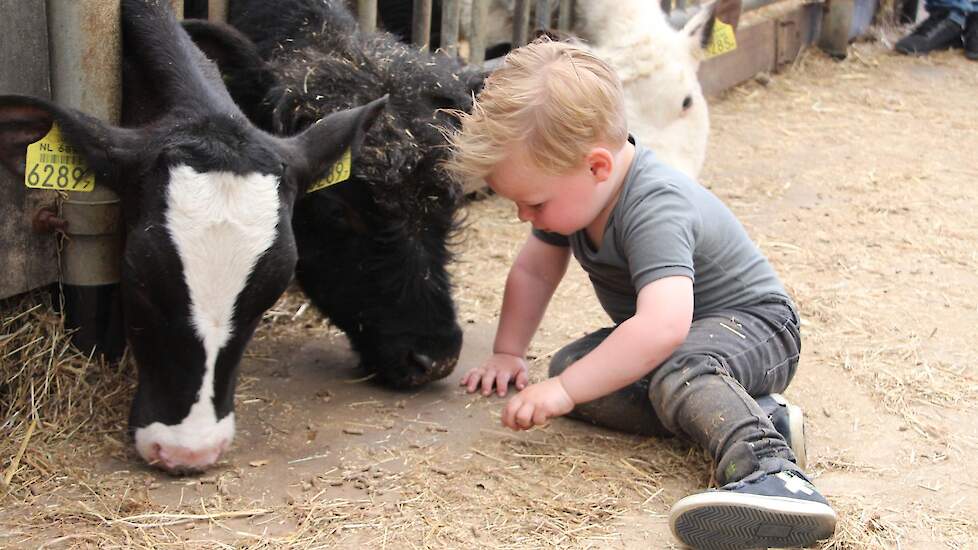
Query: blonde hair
[(555, 99)]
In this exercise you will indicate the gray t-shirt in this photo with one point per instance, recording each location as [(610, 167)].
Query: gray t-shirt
[(666, 224)]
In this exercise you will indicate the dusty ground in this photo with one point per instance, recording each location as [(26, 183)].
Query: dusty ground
[(856, 178)]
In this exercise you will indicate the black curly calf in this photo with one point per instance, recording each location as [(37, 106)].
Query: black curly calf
[(372, 250)]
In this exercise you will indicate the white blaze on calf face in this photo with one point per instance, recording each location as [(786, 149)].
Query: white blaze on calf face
[(221, 225)]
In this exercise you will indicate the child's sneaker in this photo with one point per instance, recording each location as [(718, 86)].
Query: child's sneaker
[(789, 421), (774, 510)]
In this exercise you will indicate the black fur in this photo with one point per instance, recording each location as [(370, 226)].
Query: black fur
[(373, 250), (178, 112)]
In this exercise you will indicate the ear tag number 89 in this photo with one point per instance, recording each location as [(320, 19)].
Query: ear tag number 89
[(336, 173)]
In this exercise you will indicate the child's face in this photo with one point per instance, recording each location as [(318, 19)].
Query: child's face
[(558, 204)]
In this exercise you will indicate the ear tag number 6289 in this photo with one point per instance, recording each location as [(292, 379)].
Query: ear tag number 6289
[(55, 165)]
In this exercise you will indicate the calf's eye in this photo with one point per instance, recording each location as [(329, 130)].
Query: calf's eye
[(688, 102)]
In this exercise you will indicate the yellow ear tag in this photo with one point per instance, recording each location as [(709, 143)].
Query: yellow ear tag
[(53, 164), (337, 173), (723, 40)]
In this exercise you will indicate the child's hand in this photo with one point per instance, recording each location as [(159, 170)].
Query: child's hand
[(499, 369), (537, 404)]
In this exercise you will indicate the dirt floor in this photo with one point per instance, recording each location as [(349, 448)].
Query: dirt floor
[(856, 178)]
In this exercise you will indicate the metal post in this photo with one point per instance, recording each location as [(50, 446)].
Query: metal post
[(367, 14), (543, 14), (450, 10), (421, 29), (836, 27), (564, 15), (217, 10), (85, 74), (477, 42), (521, 22)]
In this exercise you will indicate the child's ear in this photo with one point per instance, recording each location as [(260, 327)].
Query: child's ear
[(600, 163)]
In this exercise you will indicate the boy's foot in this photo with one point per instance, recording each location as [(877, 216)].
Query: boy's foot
[(779, 510), (937, 32), (789, 421), (971, 37)]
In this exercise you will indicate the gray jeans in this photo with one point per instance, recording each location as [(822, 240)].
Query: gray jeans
[(704, 391)]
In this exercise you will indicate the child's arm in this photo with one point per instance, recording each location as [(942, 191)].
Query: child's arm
[(532, 279), (663, 316)]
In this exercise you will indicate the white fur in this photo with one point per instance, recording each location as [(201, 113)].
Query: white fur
[(656, 63), (221, 225), (657, 66)]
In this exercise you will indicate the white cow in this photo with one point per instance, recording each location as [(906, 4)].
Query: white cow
[(657, 64)]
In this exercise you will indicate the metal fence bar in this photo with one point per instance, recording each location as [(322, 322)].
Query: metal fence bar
[(450, 10), (217, 10), (477, 42), (367, 15), (421, 29), (521, 22), (564, 15), (543, 14), (679, 17)]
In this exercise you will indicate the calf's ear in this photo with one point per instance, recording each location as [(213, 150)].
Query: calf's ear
[(25, 120), (699, 28), (319, 147), (246, 75)]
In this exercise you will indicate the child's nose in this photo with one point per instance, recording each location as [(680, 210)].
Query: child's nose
[(524, 214)]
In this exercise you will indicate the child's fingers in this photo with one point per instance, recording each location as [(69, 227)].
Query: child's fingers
[(509, 412), (502, 383), (522, 379), (524, 417), (473, 378), (540, 417), (488, 377)]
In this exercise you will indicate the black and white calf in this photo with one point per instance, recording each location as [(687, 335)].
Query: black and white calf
[(208, 202), (372, 250)]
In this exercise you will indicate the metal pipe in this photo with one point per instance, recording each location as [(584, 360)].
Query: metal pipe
[(421, 29), (678, 18), (521, 22), (450, 11), (217, 10), (566, 10), (86, 54), (477, 42), (543, 14), (367, 15)]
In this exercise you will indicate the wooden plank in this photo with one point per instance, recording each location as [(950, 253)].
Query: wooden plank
[(28, 260), (754, 54)]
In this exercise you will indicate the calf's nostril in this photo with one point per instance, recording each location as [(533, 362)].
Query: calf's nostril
[(422, 360)]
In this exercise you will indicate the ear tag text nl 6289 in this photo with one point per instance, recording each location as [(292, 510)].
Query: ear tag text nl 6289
[(723, 40), (55, 165), (337, 173)]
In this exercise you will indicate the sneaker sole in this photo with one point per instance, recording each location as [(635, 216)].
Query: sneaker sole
[(720, 520)]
